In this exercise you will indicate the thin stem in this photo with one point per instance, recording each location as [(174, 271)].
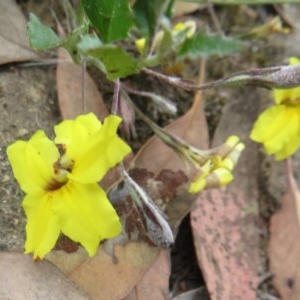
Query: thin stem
[(115, 103), (280, 77), (214, 17), (83, 71), (178, 82)]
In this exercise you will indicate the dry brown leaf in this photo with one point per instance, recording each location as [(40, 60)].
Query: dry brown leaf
[(69, 87), (151, 286), (23, 278), (13, 37), (284, 246), (224, 222), (192, 127), (104, 279), (156, 157), (185, 7), (135, 258)]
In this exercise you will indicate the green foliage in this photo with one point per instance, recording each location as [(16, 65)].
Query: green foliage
[(117, 62), (239, 2), (203, 45), (147, 14), (41, 37), (111, 18)]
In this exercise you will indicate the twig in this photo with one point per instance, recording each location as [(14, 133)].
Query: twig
[(281, 77), (115, 103)]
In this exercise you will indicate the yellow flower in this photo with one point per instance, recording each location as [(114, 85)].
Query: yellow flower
[(62, 194), (216, 172), (278, 127), (188, 27)]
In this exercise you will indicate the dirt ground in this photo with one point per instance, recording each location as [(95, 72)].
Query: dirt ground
[(28, 101)]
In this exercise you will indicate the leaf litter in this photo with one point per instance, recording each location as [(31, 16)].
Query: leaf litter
[(134, 259)]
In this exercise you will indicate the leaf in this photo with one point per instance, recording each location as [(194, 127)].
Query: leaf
[(191, 127), (13, 36), (114, 279), (182, 8), (23, 278), (41, 37), (167, 171), (224, 222), (153, 285), (250, 2), (284, 245), (117, 62), (70, 90), (111, 18), (147, 15), (203, 45)]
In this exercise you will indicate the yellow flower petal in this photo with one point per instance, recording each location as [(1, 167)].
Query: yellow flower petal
[(73, 133), (293, 143), (140, 44), (282, 95), (197, 185), (289, 127), (224, 176), (269, 123), (32, 162), (189, 26), (85, 214), (99, 153), (294, 61), (42, 229)]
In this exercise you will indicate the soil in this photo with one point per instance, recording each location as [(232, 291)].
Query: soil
[(28, 101)]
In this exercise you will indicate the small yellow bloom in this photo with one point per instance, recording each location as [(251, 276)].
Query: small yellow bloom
[(216, 172), (62, 194), (278, 127), (140, 44), (273, 25), (189, 27)]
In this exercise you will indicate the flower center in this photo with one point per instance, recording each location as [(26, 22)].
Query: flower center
[(62, 167)]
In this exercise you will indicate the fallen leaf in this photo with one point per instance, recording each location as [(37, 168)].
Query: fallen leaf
[(192, 127), (102, 278), (224, 221), (23, 278), (284, 245), (13, 37), (70, 90), (185, 7), (151, 286), (166, 168), (134, 259)]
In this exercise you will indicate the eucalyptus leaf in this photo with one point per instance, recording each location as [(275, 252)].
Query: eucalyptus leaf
[(41, 37), (117, 62), (111, 18), (203, 45)]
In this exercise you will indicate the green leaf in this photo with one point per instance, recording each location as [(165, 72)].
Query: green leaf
[(117, 62), (89, 42), (238, 2), (41, 37), (203, 45), (111, 18), (147, 14)]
